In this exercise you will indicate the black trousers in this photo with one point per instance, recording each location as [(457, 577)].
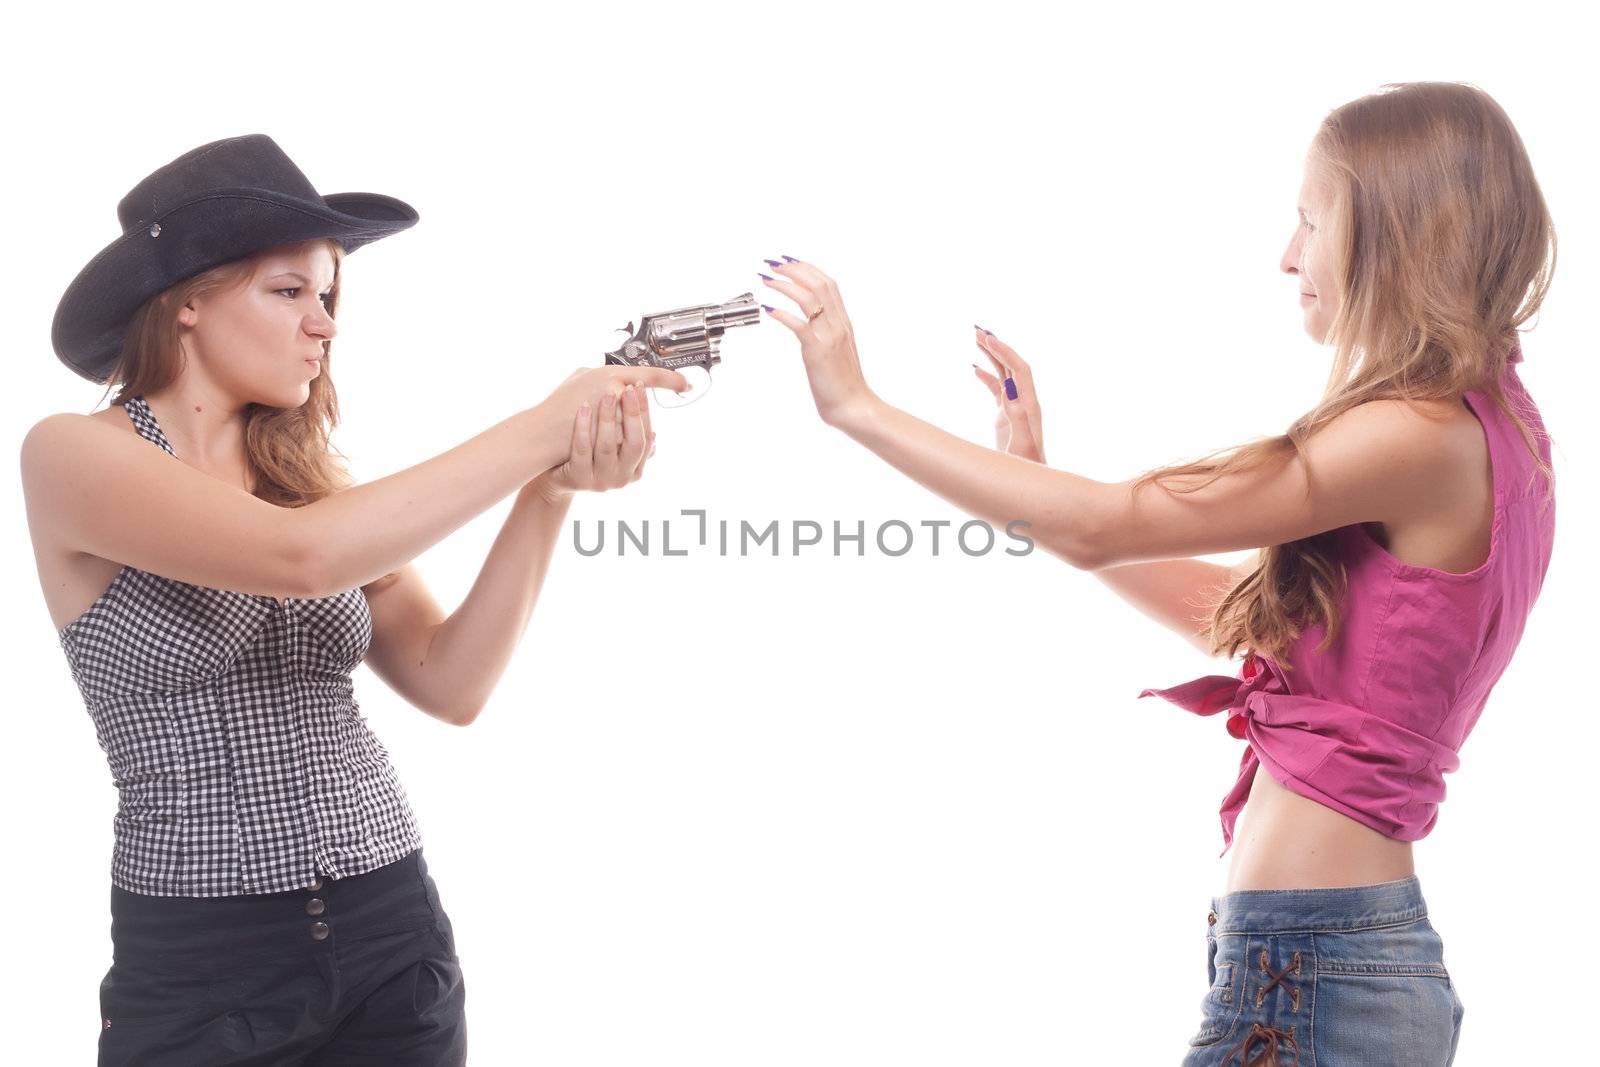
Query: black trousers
[(360, 970)]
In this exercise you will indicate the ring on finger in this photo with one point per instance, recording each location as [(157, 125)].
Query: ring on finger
[(814, 315)]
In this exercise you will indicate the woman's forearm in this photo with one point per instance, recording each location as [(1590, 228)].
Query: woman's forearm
[(368, 530), (1180, 594), (1063, 510), (472, 648)]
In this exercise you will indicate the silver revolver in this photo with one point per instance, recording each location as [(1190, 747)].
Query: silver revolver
[(687, 337)]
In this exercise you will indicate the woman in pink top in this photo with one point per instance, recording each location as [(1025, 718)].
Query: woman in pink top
[(1390, 589)]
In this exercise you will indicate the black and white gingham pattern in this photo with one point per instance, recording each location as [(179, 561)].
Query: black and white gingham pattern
[(240, 756)]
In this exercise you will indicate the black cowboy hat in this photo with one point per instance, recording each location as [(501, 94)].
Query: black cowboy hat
[(215, 203)]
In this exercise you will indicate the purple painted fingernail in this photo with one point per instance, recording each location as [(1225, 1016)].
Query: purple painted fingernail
[(763, 277), (772, 263), (791, 259), (1011, 389), (975, 326), (766, 309)]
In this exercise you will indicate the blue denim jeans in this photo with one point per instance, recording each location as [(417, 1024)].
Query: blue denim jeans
[(1346, 977)]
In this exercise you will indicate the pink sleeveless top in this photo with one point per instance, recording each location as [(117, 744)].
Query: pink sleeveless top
[(1370, 726)]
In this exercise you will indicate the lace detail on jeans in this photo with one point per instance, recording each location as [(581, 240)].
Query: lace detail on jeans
[(1294, 994), (1263, 1041), (1268, 1037)]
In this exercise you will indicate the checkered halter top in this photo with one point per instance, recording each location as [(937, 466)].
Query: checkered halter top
[(241, 759)]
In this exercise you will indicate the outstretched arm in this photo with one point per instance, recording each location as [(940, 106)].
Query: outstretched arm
[(1384, 461), (1180, 594), (1063, 510)]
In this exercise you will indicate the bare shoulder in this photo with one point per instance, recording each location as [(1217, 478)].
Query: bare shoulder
[(1448, 511), (55, 446), (1443, 435), (1396, 416), (52, 449), (66, 438), (1426, 436), (61, 422)]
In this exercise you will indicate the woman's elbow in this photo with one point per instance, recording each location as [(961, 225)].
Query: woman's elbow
[(467, 716), (1073, 545)]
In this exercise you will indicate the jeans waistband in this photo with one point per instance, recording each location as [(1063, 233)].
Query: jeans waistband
[(1356, 907)]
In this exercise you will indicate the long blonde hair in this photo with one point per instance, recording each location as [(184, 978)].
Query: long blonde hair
[(289, 451), (1441, 247)]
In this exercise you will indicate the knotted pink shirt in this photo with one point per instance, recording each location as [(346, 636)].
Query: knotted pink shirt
[(1370, 726)]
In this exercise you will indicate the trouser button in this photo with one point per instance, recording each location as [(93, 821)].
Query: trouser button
[(315, 906), (1211, 917), (319, 931), (316, 884)]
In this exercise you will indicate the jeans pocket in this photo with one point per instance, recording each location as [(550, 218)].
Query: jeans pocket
[(1384, 995)]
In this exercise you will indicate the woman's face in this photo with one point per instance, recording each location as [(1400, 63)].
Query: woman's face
[(263, 343), (1307, 259)]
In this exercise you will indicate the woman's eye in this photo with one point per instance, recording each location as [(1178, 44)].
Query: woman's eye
[(295, 289)]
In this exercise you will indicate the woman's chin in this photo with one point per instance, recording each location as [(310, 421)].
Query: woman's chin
[(1316, 329)]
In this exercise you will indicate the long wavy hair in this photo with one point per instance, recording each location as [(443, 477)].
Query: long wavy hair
[(1441, 247), (289, 451)]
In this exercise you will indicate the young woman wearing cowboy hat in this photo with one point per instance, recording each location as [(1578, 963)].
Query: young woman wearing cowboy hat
[(269, 899)]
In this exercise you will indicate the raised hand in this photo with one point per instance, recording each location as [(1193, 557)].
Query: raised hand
[(1018, 424), (827, 342)]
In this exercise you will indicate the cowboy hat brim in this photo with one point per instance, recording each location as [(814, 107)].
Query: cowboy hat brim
[(220, 226)]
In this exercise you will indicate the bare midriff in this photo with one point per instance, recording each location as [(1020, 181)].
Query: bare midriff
[(1283, 840)]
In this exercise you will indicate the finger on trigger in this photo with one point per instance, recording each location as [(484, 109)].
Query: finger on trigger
[(660, 378)]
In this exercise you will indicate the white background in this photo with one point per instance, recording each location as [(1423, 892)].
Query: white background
[(815, 809)]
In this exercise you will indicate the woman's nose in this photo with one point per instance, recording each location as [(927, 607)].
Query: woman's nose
[(1290, 261)]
